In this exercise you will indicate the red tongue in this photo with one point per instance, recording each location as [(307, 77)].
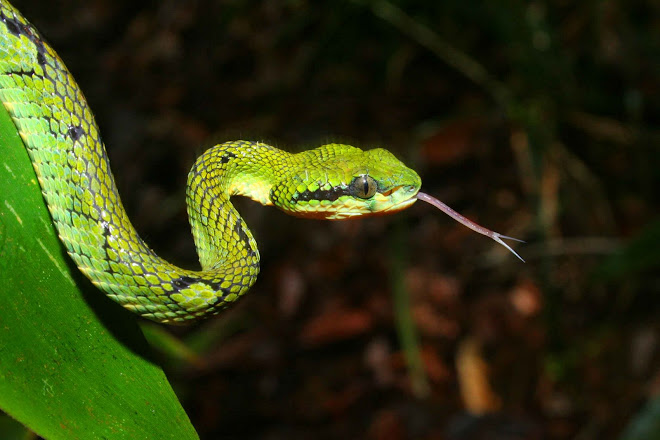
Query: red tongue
[(469, 223)]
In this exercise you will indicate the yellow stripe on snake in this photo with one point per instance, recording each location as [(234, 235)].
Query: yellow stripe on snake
[(62, 139)]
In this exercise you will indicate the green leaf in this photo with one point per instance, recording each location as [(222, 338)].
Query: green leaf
[(73, 364)]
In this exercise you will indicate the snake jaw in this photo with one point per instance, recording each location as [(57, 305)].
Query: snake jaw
[(404, 204), (394, 199)]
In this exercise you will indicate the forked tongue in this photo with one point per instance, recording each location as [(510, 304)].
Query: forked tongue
[(470, 224)]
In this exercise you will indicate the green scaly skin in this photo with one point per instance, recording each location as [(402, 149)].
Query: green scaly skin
[(57, 127)]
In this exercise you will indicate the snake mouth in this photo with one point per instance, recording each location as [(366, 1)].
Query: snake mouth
[(399, 197), (390, 191), (406, 191), (403, 204)]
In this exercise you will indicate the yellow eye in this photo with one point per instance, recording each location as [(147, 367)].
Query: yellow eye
[(363, 187)]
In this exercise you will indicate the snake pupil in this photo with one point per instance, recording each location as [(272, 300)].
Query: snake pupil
[(363, 186)]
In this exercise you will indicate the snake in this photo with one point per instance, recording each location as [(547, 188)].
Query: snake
[(57, 127)]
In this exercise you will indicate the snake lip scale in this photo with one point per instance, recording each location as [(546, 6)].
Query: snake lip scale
[(51, 115)]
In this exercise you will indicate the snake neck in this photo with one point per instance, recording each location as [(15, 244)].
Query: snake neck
[(233, 168)]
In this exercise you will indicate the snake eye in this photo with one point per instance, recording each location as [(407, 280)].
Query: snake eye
[(363, 187)]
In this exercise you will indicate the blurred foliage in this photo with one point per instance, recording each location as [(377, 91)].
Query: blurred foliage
[(640, 256), (537, 119), (646, 425)]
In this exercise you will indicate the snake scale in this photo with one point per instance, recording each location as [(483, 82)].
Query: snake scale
[(333, 181)]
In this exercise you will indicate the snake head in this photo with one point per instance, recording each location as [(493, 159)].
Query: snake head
[(338, 181)]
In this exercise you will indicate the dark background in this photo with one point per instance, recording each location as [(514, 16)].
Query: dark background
[(539, 120)]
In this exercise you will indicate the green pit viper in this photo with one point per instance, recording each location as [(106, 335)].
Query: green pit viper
[(62, 139)]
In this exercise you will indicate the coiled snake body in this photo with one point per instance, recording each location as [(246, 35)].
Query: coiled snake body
[(62, 139)]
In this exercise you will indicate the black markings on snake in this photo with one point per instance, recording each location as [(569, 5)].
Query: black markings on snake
[(29, 72), (184, 281), (15, 27), (75, 132), (106, 237), (239, 229), (321, 194), (215, 286), (227, 156)]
